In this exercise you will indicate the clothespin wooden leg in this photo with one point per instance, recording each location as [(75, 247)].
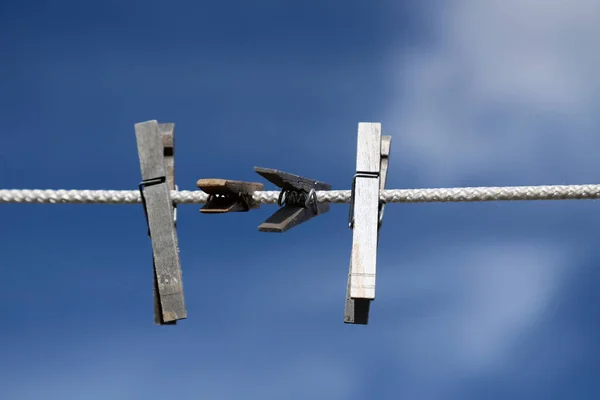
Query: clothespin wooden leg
[(357, 310), (364, 212), (168, 139), (160, 214)]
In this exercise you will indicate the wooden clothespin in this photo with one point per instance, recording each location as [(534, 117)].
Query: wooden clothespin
[(228, 196), (298, 200), (365, 219), (156, 152), (357, 310)]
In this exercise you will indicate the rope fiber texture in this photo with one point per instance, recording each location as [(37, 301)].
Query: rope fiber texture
[(466, 194)]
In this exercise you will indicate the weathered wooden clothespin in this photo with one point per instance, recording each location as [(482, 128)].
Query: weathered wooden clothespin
[(366, 214), (228, 196), (155, 145), (298, 200)]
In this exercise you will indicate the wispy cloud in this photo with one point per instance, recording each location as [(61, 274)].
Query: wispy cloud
[(479, 295), (454, 317), (504, 93), (505, 87)]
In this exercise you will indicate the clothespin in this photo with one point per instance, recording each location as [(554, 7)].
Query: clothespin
[(298, 200), (228, 196), (357, 310), (366, 213), (155, 145)]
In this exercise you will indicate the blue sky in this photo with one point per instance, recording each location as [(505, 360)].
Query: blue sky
[(484, 300)]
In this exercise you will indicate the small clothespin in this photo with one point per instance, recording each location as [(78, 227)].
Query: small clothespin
[(228, 196), (366, 216), (298, 200), (155, 145)]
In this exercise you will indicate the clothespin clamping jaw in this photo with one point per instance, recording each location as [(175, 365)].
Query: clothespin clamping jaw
[(297, 200), (366, 216), (155, 143), (228, 196)]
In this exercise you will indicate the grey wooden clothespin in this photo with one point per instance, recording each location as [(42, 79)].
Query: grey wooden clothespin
[(155, 145), (228, 196), (298, 200), (366, 214)]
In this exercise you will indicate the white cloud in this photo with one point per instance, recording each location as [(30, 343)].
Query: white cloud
[(508, 86), (507, 89), (471, 305)]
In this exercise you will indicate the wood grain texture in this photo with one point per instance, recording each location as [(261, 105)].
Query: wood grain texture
[(356, 311), (369, 147), (228, 195), (168, 139), (366, 212), (160, 221)]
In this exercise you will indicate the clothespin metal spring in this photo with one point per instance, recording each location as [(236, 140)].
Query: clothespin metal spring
[(243, 198), (143, 184), (288, 197)]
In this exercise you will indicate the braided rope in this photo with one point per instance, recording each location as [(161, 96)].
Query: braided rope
[(467, 194)]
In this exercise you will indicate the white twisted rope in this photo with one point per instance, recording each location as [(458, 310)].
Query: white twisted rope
[(467, 194)]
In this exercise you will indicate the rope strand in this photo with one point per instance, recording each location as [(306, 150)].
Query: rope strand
[(466, 194)]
